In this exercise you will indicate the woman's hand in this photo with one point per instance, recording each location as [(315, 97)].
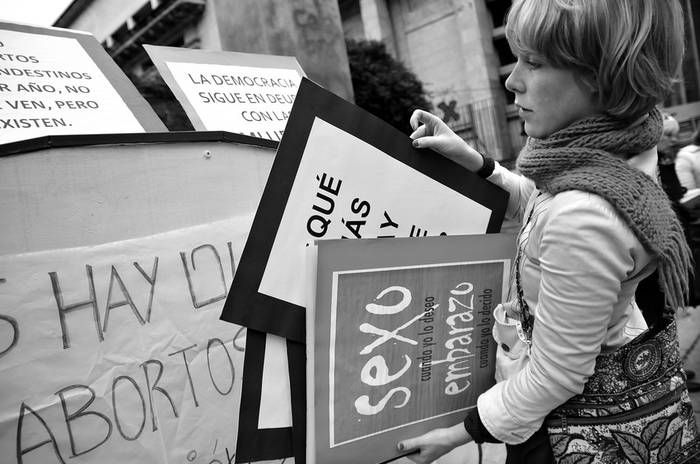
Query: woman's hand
[(429, 131), (435, 443)]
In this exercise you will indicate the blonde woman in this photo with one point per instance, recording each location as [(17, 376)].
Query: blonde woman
[(587, 78)]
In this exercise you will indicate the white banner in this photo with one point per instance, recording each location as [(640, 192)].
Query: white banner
[(115, 353)]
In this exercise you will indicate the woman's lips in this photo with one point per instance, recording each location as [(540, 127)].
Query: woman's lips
[(522, 110)]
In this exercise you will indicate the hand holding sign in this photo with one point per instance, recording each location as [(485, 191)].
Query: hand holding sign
[(342, 173)]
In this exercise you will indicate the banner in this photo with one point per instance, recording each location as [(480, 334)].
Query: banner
[(399, 339), (57, 82), (115, 352), (245, 93), (343, 173)]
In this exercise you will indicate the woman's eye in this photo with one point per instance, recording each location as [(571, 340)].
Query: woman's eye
[(530, 61), (532, 64)]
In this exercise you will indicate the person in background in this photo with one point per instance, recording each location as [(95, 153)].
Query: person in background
[(675, 191), (688, 165), (667, 164), (588, 76)]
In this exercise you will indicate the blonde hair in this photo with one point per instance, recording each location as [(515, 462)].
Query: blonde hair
[(629, 51)]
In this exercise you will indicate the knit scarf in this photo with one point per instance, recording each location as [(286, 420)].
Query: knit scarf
[(590, 155)]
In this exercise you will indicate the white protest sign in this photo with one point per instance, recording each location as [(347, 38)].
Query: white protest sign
[(341, 172), (245, 93), (343, 205), (115, 352), (245, 100), (49, 85)]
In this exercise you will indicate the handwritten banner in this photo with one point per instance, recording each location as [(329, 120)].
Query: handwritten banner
[(52, 85), (239, 92), (115, 353)]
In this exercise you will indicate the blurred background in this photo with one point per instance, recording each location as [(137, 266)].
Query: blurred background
[(387, 56)]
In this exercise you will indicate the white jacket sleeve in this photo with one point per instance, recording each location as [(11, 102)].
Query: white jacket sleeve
[(685, 167), (519, 187), (585, 253)]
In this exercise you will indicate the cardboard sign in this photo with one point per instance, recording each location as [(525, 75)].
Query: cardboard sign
[(238, 92), (57, 81), (175, 196), (115, 353), (343, 173), (399, 339)]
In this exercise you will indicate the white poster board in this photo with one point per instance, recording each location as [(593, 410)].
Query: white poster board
[(342, 173), (238, 92), (357, 203), (115, 353), (113, 270), (55, 82)]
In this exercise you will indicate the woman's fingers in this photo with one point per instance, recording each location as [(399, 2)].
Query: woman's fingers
[(430, 132), (416, 118), (424, 142), (420, 132), (411, 445), (423, 117), (423, 128), (408, 445), (416, 454)]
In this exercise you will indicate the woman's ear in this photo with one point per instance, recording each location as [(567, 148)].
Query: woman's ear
[(590, 82)]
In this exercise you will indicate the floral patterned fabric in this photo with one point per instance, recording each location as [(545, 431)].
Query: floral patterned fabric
[(635, 408)]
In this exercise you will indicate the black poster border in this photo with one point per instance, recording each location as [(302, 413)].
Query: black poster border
[(245, 305), (254, 444)]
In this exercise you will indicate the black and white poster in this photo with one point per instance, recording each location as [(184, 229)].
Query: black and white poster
[(340, 172)]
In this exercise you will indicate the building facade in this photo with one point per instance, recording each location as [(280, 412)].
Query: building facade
[(457, 48), (307, 29)]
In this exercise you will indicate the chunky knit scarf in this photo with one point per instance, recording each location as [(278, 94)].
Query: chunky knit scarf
[(590, 155)]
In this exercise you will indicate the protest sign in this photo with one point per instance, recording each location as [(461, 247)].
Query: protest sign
[(115, 353), (398, 339), (245, 93), (57, 81), (342, 173), (186, 199)]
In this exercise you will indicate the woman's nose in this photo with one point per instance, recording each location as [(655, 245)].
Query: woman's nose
[(513, 82)]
